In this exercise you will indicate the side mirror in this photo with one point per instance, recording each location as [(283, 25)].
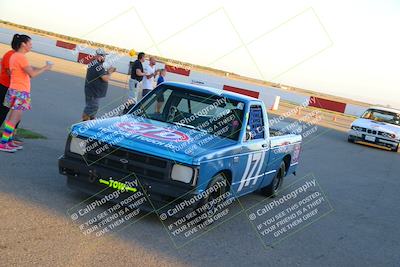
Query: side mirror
[(249, 134)]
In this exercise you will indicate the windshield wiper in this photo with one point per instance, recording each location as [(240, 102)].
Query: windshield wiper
[(189, 126), (154, 119)]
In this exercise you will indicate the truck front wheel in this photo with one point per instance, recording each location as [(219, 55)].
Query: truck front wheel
[(272, 189), (217, 188)]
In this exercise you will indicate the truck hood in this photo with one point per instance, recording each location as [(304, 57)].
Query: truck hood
[(378, 126), (152, 137)]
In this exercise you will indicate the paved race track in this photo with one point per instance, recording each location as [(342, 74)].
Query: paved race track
[(361, 183)]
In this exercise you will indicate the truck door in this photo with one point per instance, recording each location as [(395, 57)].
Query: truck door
[(255, 151)]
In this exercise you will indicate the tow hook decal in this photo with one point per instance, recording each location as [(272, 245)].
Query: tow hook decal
[(118, 185)]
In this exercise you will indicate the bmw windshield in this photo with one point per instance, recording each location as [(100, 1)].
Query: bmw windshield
[(382, 116)]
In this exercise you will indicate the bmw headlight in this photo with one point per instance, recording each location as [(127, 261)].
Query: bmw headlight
[(389, 135), (77, 146), (182, 173)]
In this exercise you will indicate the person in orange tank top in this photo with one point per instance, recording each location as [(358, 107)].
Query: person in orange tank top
[(18, 96), (5, 74)]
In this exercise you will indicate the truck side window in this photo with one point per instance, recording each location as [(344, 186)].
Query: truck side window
[(183, 105), (256, 122)]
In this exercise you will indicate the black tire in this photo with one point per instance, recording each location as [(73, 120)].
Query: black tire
[(273, 188), (395, 149), (212, 209), (350, 140)]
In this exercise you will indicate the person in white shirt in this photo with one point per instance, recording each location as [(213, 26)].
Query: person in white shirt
[(150, 74)]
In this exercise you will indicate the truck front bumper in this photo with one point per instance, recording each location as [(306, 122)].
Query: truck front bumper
[(161, 195)]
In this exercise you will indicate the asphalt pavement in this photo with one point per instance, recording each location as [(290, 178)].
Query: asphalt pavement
[(361, 184)]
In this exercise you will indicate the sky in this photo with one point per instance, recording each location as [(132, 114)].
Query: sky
[(345, 48)]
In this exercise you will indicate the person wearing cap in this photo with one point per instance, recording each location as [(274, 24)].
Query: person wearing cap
[(96, 84)]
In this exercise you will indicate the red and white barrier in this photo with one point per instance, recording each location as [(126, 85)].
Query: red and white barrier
[(327, 104), (336, 106), (83, 54), (354, 110)]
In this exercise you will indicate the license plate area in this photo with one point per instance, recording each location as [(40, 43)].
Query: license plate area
[(370, 138)]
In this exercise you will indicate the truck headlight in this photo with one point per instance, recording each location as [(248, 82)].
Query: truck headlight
[(182, 173), (77, 146)]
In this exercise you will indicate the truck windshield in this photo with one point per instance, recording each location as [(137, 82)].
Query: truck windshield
[(194, 110), (382, 116)]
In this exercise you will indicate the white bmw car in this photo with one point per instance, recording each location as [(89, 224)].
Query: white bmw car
[(378, 127)]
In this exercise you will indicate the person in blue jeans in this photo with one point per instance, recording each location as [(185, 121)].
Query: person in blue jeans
[(160, 97), (96, 84), (137, 74)]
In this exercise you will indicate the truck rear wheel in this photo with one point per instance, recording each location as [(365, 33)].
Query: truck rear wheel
[(272, 189)]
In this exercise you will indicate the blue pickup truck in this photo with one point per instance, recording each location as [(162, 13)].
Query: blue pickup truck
[(178, 141)]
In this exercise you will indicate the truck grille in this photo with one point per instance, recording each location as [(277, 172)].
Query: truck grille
[(141, 165)]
